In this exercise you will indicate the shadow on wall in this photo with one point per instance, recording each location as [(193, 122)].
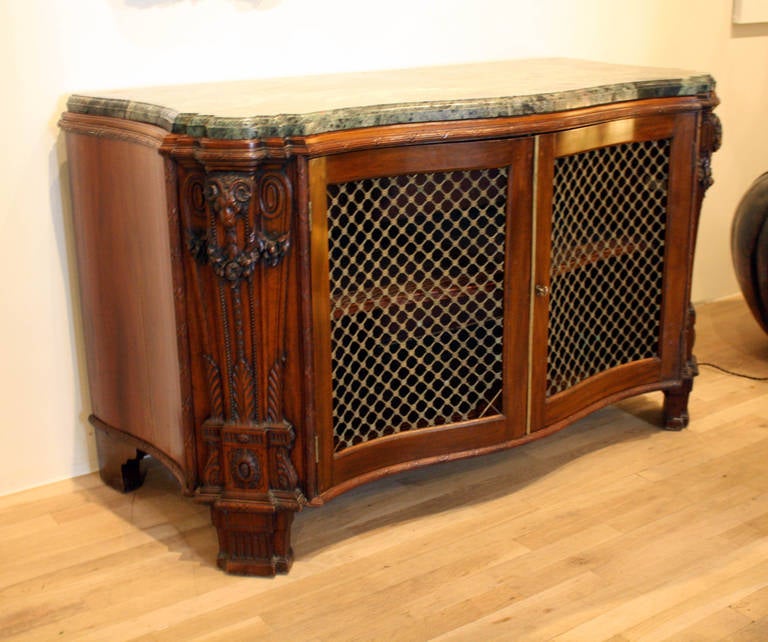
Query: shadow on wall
[(242, 4)]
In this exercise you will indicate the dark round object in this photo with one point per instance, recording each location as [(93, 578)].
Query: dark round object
[(749, 248)]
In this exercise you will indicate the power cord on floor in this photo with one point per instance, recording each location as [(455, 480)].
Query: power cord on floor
[(731, 372)]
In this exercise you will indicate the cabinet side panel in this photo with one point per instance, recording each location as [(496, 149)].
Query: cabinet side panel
[(124, 262)]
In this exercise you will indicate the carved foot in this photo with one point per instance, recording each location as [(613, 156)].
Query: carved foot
[(119, 463), (676, 406), (254, 538)]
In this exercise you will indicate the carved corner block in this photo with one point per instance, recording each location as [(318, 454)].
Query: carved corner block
[(237, 224), (254, 537), (245, 459), (254, 514), (254, 511), (256, 461)]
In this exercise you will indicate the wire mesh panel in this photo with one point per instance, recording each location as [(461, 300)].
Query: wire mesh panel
[(416, 281), (609, 215)]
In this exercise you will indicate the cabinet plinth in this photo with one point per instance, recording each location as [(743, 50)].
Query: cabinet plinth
[(283, 315)]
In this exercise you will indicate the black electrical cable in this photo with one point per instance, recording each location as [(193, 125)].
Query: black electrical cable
[(731, 372)]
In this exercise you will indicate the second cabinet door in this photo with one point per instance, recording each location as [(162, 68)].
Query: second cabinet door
[(612, 256), (421, 261)]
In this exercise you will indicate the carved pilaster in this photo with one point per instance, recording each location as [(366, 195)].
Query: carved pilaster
[(238, 239), (676, 399), (254, 513)]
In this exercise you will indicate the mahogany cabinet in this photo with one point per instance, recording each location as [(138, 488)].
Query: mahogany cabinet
[(378, 271)]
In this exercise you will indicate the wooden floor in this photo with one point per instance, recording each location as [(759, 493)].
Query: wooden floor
[(610, 530)]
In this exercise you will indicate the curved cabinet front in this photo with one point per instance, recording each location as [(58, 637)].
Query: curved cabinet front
[(470, 296)]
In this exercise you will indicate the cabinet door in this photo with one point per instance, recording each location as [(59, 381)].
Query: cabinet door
[(612, 262), (413, 254)]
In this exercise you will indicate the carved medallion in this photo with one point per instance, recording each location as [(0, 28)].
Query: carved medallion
[(244, 468)]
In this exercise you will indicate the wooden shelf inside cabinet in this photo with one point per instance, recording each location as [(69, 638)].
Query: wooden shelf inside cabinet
[(578, 257), (249, 334), (411, 296), (396, 342)]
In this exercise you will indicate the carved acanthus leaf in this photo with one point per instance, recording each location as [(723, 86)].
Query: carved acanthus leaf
[(245, 400), (712, 138), (716, 129), (212, 470), (287, 478), (704, 171), (213, 375)]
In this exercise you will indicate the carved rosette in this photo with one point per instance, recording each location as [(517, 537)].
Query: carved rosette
[(259, 459), (244, 468)]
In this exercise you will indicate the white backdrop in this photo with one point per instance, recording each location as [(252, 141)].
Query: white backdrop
[(50, 48)]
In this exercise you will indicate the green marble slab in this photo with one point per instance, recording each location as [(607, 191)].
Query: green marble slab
[(300, 106)]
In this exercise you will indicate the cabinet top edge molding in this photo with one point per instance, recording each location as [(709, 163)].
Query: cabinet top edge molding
[(304, 106)]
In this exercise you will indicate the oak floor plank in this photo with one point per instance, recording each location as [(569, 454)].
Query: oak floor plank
[(714, 627)]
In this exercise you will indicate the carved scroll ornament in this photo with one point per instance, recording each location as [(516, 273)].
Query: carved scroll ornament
[(712, 139)]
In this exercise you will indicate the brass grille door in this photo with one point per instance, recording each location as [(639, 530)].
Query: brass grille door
[(608, 231), (413, 338), (602, 286), (417, 294)]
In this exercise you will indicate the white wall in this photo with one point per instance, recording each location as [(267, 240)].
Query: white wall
[(49, 48)]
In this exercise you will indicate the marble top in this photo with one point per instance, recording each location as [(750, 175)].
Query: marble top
[(300, 106)]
